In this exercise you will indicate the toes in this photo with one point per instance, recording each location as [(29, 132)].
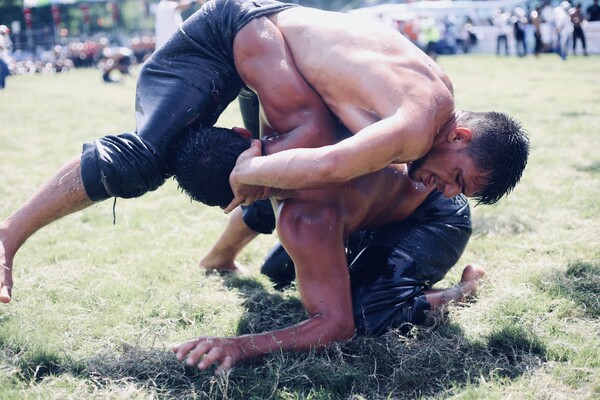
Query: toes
[(5, 293)]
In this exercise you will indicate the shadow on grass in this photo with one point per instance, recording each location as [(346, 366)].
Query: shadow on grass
[(592, 168), (422, 362), (580, 284)]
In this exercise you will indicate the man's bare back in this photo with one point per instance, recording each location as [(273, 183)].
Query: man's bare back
[(394, 99), (364, 71)]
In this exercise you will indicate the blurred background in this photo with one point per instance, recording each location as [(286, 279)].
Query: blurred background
[(49, 36)]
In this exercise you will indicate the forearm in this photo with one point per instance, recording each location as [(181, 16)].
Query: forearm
[(315, 333), (367, 151), (294, 169)]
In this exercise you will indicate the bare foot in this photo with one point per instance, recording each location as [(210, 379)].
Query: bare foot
[(470, 280), (214, 263), (467, 288), (6, 261)]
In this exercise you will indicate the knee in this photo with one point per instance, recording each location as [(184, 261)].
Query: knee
[(121, 166)]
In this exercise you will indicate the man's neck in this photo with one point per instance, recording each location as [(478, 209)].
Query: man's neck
[(448, 127)]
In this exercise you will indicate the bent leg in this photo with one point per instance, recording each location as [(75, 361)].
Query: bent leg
[(469, 282), (61, 195), (221, 257), (396, 264), (383, 294)]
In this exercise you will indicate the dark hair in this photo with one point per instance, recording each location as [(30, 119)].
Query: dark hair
[(499, 148), (203, 160)]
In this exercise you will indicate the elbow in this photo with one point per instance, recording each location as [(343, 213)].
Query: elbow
[(347, 331), (332, 330), (342, 330)]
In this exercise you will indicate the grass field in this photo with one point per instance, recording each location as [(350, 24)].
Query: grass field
[(96, 305)]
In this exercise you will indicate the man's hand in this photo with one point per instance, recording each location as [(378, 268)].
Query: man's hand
[(205, 351), (246, 194)]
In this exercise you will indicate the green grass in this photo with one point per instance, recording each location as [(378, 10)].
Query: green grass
[(96, 306)]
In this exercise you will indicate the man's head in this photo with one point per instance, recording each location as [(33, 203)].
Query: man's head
[(483, 157), (203, 161)]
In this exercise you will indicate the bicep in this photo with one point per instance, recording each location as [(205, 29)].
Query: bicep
[(402, 137)]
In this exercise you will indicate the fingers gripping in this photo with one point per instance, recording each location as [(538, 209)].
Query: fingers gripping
[(183, 349)]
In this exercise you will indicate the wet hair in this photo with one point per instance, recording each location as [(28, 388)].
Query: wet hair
[(499, 149), (203, 159)]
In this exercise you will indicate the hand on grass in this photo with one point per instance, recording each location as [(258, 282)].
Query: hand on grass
[(205, 351)]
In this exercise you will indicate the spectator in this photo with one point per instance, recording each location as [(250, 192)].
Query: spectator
[(5, 54), (577, 20), (501, 22), (519, 21), (430, 36), (564, 28), (593, 12), (115, 59), (536, 21), (168, 19)]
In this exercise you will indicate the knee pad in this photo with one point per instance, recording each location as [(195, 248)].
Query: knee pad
[(259, 216), (250, 109), (121, 166), (279, 267)]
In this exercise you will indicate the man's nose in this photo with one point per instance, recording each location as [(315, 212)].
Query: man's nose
[(451, 190)]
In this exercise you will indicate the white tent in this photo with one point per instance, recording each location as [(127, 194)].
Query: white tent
[(433, 8)]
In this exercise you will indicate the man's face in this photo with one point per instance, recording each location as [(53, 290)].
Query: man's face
[(448, 169)]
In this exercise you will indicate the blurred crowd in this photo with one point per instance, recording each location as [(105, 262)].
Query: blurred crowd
[(446, 35), (557, 28), (545, 28), (101, 52)]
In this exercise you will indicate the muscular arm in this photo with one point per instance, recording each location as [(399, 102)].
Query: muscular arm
[(295, 116), (314, 240), (394, 139)]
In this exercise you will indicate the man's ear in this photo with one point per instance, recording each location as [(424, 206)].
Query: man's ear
[(243, 132), (460, 133)]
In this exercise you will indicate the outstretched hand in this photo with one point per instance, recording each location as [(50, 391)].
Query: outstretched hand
[(205, 351), (242, 193)]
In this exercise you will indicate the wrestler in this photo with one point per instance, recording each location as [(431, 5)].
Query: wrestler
[(191, 79), (396, 101), (390, 278)]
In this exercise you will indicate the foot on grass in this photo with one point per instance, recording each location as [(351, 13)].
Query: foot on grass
[(221, 265), (470, 280), (6, 261)]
